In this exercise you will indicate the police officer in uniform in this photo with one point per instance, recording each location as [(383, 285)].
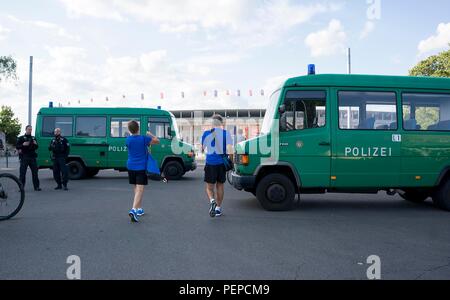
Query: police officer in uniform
[(26, 146), (60, 149)]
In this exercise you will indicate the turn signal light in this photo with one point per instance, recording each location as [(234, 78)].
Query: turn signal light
[(245, 160)]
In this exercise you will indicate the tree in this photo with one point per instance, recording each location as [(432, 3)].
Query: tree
[(434, 66), (9, 125), (8, 67)]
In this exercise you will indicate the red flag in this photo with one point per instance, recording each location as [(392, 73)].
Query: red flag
[(250, 93), (162, 95)]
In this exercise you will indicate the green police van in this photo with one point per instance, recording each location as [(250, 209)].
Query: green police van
[(97, 139), (351, 134)]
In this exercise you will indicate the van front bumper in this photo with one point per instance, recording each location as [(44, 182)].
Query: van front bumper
[(241, 182), (190, 166)]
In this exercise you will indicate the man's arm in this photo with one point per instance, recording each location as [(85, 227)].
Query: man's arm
[(67, 147), (51, 146), (19, 143), (154, 139), (35, 144)]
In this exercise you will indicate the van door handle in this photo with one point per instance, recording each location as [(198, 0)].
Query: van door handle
[(325, 144)]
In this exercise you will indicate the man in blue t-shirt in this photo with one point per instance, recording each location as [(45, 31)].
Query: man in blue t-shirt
[(218, 143), (137, 165)]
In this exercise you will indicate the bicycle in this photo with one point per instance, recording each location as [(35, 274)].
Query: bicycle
[(12, 196)]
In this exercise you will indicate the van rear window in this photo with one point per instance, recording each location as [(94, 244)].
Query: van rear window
[(50, 123), (426, 112)]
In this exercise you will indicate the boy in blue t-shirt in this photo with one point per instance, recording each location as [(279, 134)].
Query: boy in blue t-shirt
[(137, 165), (218, 143)]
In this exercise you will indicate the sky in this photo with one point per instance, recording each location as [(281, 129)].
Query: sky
[(99, 53)]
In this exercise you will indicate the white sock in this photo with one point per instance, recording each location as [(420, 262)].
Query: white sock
[(218, 208)]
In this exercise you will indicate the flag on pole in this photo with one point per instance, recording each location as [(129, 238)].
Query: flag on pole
[(162, 95), (238, 93), (182, 94), (107, 99), (250, 92), (204, 93), (142, 96), (262, 92), (216, 93)]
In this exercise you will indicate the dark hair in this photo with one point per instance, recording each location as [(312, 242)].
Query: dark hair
[(28, 126), (133, 127), (217, 118)]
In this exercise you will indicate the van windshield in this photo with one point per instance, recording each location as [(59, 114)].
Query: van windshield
[(270, 113), (175, 128)]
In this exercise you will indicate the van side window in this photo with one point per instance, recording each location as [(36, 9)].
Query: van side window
[(50, 123), (304, 110), (91, 127), (367, 110), (426, 112), (159, 127), (119, 127)]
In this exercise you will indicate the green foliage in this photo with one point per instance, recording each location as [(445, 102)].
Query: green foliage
[(8, 67), (434, 66), (9, 125)]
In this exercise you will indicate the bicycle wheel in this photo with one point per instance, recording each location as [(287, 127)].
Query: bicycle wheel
[(12, 196)]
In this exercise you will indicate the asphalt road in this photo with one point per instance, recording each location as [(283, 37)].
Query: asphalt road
[(326, 237)]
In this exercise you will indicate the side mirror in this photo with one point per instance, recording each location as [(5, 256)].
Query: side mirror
[(282, 109)]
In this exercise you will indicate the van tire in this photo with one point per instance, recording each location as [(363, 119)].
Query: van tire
[(90, 173), (77, 170), (173, 170), (276, 192), (441, 197), (414, 196)]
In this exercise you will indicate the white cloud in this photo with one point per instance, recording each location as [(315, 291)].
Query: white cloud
[(104, 9), (52, 27), (4, 33), (246, 23), (369, 26), (328, 41), (182, 28), (436, 42)]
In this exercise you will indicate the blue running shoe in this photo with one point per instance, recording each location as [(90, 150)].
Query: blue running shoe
[(133, 215), (212, 209), (140, 212), (218, 212)]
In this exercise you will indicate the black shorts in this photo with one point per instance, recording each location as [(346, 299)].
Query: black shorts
[(215, 174), (138, 177)]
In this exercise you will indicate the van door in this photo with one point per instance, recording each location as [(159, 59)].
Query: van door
[(160, 127), (366, 139), (305, 141), (118, 133)]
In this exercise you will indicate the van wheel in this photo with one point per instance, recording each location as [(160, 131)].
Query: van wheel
[(414, 196), (92, 172), (76, 170), (441, 197), (173, 170), (276, 192)]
